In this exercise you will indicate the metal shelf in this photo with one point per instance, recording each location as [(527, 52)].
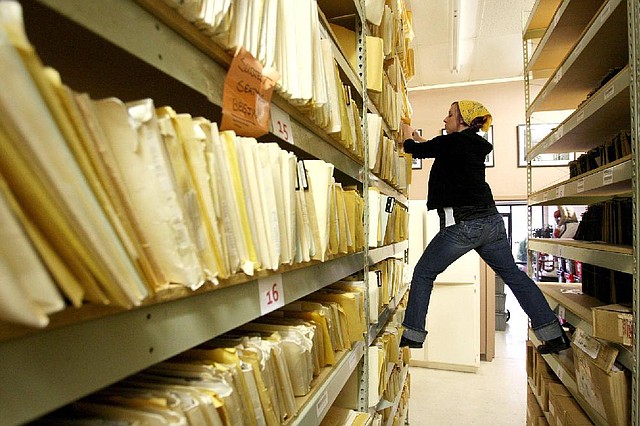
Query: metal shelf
[(562, 33), (318, 402), (540, 18), (575, 307), (341, 9), (563, 367), (154, 33), (582, 70), (618, 258), (601, 184), (604, 114), (386, 189), (77, 359), (381, 253), (396, 400), (383, 319)]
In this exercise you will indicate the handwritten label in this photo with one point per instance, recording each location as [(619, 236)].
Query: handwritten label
[(580, 187), (281, 124), (271, 293), (607, 177), (246, 97), (322, 404)]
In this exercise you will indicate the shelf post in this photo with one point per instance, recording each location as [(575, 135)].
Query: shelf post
[(633, 9)]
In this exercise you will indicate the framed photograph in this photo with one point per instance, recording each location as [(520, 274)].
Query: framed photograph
[(488, 135), (416, 163), (538, 132)]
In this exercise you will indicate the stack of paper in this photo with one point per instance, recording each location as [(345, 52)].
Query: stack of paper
[(319, 176), (354, 205), (28, 293), (84, 242), (352, 303), (337, 416)]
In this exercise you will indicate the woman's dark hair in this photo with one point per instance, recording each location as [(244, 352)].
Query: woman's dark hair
[(477, 123)]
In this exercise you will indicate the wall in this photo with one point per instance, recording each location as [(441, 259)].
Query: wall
[(505, 101)]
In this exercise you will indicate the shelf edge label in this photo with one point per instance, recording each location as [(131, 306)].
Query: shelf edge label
[(280, 125), (607, 176), (580, 187), (322, 404), (609, 92), (271, 293)]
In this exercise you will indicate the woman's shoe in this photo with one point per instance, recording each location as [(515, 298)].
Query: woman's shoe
[(556, 345), (410, 343)]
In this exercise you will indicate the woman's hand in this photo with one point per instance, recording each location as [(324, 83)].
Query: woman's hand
[(410, 133)]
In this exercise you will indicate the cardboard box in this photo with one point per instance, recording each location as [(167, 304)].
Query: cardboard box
[(556, 391), (568, 412), (613, 323), (534, 412), (546, 378), (603, 386), (531, 351)]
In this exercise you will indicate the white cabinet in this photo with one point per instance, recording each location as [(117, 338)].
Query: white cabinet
[(453, 318)]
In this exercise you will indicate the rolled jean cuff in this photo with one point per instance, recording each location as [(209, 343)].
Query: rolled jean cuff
[(413, 334), (548, 331)]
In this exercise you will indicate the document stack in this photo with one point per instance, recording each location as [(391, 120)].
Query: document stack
[(110, 202), (252, 375), (388, 220), (284, 35)]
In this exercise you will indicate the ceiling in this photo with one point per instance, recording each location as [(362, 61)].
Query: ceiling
[(490, 41)]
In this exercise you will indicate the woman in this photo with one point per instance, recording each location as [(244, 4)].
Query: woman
[(469, 220)]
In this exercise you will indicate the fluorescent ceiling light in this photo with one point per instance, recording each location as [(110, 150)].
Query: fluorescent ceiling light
[(454, 36)]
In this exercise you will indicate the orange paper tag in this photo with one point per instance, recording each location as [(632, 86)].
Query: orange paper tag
[(246, 98)]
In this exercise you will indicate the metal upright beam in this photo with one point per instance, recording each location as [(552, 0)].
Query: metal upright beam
[(633, 12)]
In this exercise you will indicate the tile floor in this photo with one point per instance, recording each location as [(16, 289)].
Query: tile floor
[(494, 396)]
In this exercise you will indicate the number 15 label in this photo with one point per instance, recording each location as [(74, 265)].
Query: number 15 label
[(281, 124), (271, 293)]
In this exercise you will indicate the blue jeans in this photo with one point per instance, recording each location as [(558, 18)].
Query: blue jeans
[(486, 236)]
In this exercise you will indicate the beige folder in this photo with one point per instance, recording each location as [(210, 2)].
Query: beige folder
[(233, 192), (174, 135), (223, 195), (214, 203), (334, 85), (320, 177), (28, 293), (147, 179), (193, 138), (250, 174), (53, 177), (352, 304), (297, 345)]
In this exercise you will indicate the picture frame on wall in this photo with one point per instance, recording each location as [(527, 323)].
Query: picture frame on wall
[(488, 135), (538, 132)]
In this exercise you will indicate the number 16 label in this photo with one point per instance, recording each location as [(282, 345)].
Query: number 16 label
[(271, 293)]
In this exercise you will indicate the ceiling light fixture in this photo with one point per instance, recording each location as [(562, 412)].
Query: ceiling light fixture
[(454, 36)]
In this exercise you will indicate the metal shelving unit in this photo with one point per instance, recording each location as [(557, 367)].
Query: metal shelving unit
[(609, 40), (86, 349)]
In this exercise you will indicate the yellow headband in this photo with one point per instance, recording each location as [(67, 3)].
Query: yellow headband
[(472, 109)]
